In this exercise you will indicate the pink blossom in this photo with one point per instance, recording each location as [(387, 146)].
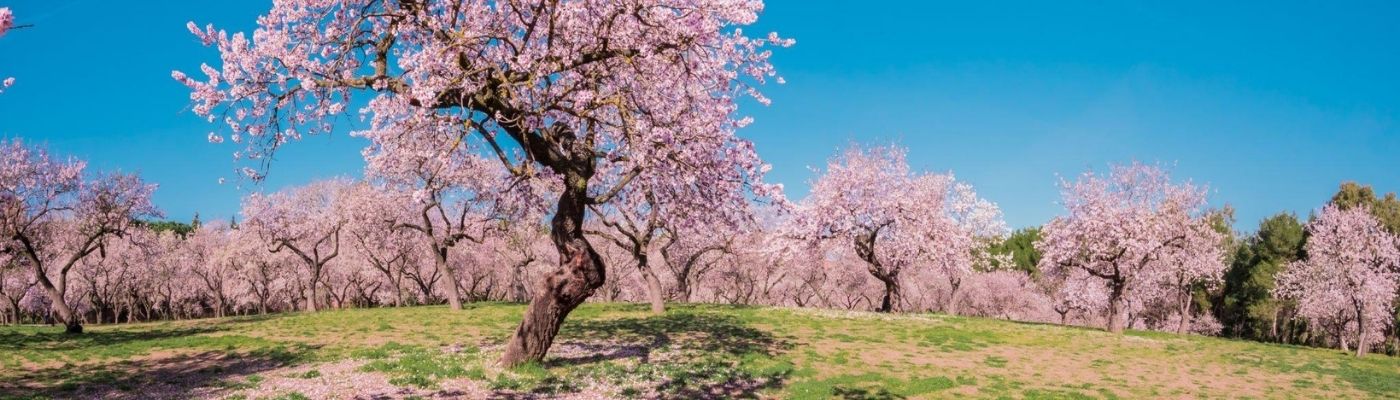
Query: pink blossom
[(7, 20), (1346, 286), (53, 220), (1129, 238), (613, 96), (897, 219)]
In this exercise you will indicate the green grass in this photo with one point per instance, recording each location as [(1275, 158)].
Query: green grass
[(691, 351)]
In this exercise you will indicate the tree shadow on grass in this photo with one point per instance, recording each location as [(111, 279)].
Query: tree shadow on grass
[(181, 376), (700, 331), (850, 393), (98, 341), (687, 354)]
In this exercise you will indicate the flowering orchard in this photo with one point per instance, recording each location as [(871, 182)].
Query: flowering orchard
[(598, 100), (1135, 250), (558, 152)]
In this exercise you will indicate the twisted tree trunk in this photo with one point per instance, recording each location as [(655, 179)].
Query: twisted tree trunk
[(580, 273), (892, 296), (1184, 307)]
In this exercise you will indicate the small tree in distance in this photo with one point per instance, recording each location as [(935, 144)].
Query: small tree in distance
[(1129, 231), (1348, 280), (895, 218)]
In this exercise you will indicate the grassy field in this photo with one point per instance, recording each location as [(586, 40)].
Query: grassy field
[(693, 351)]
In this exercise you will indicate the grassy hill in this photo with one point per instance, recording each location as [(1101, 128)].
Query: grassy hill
[(693, 351)]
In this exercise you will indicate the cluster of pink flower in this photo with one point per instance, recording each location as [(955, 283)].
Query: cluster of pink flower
[(595, 97), (54, 217), (7, 21), (507, 138), (1347, 284), (1134, 244)]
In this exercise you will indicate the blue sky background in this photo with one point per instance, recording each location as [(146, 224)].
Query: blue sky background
[(1272, 104)]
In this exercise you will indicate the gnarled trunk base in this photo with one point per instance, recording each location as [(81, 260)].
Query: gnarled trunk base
[(557, 295), (580, 273), (891, 297)]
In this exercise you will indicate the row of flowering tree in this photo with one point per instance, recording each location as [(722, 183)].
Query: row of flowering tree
[(624, 112), (1134, 250), (518, 148), (56, 217)]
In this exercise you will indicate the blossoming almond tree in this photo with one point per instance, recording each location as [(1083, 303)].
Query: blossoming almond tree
[(1128, 230), (1348, 280), (54, 219), (692, 252), (376, 242), (895, 218), (215, 262), (306, 221), (457, 196), (7, 20), (646, 222), (15, 283), (593, 95)]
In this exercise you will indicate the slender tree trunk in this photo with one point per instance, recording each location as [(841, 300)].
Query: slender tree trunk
[(1273, 325), (654, 295), (521, 294), (580, 273), (865, 249), (1361, 331), (398, 293), (683, 287), (71, 324), (454, 294), (1184, 308), (952, 307), (313, 298)]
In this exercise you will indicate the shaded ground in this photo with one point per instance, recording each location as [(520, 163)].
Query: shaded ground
[(693, 351)]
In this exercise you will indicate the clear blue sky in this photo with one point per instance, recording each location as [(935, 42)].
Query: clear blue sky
[(1272, 104)]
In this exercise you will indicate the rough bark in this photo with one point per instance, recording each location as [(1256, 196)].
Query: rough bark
[(1184, 307), (519, 292), (579, 275), (954, 285), (1361, 334), (658, 301), (454, 294), (891, 298), (1116, 311), (71, 321)]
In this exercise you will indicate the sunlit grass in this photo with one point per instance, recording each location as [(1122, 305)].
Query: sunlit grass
[(704, 350)]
